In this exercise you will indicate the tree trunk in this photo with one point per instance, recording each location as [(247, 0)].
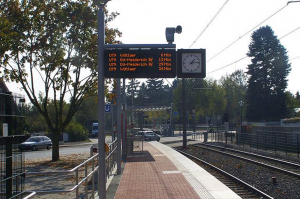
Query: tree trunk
[(55, 146)]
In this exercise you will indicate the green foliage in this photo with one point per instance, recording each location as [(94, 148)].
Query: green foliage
[(235, 86), (292, 105), (53, 43), (132, 90), (76, 132), (154, 89), (34, 121), (292, 120), (266, 100), (207, 99), (88, 110)]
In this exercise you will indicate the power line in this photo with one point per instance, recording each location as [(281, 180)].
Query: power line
[(247, 56), (295, 58), (228, 65), (290, 33), (209, 23), (247, 32)]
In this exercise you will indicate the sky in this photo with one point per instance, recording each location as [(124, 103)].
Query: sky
[(145, 21)]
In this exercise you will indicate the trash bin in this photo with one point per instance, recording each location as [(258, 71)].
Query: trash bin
[(205, 136), (129, 146)]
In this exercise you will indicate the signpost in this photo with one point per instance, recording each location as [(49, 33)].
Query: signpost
[(149, 63), (175, 113), (107, 108)]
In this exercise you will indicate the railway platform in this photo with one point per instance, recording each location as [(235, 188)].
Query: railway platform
[(163, 173)]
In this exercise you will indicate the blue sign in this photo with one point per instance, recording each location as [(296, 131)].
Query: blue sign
[(107, 108), (175, 113)]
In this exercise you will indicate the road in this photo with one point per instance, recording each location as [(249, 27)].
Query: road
[(63, 150), (43, 153)]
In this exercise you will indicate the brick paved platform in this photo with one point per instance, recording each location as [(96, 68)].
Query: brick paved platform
[(163, 173)]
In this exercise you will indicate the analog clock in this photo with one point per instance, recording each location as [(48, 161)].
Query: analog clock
[(191, 62)]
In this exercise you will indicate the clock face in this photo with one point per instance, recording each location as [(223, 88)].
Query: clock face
[(191, 62)]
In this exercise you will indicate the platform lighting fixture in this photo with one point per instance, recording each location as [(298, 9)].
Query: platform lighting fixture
[(241, 105), (170, 33)]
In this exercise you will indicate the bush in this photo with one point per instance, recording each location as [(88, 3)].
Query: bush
[(292, 120), (76, 132)]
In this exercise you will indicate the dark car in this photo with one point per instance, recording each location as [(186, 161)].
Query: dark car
[(35, 143)]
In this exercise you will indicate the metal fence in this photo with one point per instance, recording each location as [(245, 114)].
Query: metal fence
[(12, 168), (83, 174), (284, 143), (272, 141)]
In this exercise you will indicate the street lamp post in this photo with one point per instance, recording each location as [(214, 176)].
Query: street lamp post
[(241, 120)]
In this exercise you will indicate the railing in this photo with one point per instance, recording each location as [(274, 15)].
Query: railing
[(271, 141), (111, 159), (283, 143)]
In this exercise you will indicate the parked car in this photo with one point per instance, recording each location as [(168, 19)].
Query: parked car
[(150, 135), (140, 134), (35, 143)]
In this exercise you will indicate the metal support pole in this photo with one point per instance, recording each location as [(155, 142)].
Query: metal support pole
[(9, 166), (124, 121), (101, 111), (183, 114), (119, 125), (285, 144), (77, 188), (298, 144), (241, 117), (275, 142)]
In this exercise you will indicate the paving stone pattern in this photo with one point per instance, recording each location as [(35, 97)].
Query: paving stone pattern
[(153, 176)]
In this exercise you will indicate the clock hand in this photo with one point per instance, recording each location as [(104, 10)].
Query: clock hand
[(192, 61)]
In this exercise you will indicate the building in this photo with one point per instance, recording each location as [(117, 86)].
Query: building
[(11, 119)]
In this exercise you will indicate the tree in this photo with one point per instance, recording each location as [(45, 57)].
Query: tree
[(207, 100), (298, 95), (235, 86), (266, 99), (53, 43), (132, 89), (142, 95), (292, 104), (154, 86)]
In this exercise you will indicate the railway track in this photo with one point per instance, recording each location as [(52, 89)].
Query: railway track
[(277, 178), (286, 167), (243, 189)]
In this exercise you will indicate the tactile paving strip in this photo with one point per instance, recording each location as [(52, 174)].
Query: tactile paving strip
[(170, 172)]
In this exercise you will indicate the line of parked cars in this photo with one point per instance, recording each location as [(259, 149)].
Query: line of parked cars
[(36, 142)]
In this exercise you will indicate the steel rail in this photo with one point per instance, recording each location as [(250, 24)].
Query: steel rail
[(255, 162), (255, 155), (250, 187)]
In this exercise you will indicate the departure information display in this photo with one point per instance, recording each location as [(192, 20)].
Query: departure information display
[(153, 63)]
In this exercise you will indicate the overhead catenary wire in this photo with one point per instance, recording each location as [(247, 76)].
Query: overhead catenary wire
[(247, 56), (247, 33), (209, 23), (294, 58)]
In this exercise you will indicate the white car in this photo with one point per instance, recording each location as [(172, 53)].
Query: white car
[(35, 143), (150, 135)]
